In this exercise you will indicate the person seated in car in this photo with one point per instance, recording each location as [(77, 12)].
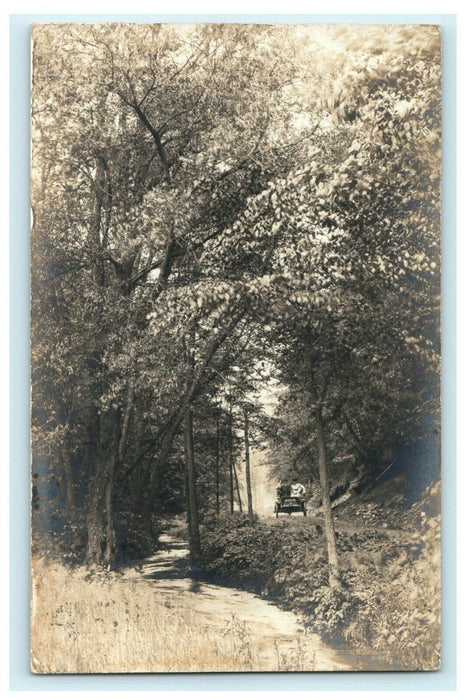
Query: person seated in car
[(283, 490), (297, 490)]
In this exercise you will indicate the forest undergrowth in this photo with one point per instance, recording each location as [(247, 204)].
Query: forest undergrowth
[(387, 604)]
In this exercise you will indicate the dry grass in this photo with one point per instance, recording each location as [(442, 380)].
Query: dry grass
[(111, 624)]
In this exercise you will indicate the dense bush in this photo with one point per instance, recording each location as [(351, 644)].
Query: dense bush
[(400, 617), (261, 556), (238, 552), (136, 535), (135, 538)]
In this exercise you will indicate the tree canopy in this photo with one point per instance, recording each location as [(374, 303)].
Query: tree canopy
[(215, 207)]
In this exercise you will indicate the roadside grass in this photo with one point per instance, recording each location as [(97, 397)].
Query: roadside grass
[(106, 623)]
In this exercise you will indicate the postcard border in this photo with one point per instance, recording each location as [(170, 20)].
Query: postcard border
[(20, 676)]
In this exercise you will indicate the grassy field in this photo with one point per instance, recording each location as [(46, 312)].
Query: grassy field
[(82, 623)]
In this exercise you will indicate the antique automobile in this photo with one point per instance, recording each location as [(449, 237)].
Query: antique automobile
[(290, 504)]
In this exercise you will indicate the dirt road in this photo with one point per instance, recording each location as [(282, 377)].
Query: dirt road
[(274, 638)]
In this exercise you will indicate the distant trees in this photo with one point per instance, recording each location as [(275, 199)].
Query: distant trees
[(198, 207)]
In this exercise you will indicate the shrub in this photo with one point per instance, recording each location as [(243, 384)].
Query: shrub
[(136, 535), (271, 558), (239, 552)]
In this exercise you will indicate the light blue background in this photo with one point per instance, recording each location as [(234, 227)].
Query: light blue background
[(20, 676)]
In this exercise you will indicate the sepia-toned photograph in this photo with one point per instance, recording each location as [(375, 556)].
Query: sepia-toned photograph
[(235, 347)]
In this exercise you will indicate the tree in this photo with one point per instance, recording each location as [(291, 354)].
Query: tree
[(247, 464), (355, 279), (138, 136)]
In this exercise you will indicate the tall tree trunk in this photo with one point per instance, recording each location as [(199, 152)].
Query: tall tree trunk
[(95, 526), (108, 504), (68, 490), (329, 529), (95, 515), (126, 420), (334, 569), (100, 530), (70, 495), (248, 465), (96, 509), (238, 492), (190, 465), (231, 460), (191, 501), (217, 466)]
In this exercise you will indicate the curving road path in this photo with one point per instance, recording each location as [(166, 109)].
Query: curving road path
[(277, 639)]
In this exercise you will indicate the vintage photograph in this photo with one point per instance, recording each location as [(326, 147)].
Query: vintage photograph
[(235, 347)]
